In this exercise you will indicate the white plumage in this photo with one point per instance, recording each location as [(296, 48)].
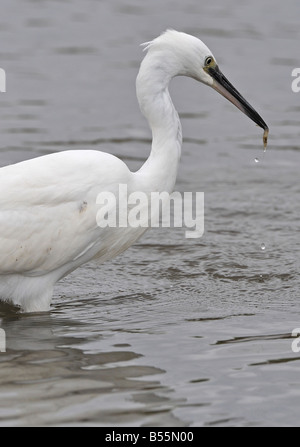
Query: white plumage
[(48, 205)]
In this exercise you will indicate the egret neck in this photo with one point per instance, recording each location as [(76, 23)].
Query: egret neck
[(160, 170)]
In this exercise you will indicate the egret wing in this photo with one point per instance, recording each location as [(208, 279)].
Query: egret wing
[(48, 208)]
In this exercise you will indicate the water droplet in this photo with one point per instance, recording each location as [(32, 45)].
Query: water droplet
[(263, 246), (256, 160)]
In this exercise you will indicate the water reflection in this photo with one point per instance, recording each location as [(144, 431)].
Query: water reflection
[(49, 370)]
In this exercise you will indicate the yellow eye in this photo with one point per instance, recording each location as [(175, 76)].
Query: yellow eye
[(208, 61)]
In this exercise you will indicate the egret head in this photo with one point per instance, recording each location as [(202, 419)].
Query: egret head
[(180, 54)]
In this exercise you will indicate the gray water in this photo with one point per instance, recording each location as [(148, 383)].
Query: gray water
[(175, 332)]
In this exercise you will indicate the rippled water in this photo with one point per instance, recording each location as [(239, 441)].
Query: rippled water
[(174, 332)]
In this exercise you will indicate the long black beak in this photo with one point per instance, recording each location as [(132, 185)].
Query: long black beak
[(226, 89)]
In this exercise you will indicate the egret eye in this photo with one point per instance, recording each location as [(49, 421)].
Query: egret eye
[(208, 61)]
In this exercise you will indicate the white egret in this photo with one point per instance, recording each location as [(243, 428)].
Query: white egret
[(48, 204)]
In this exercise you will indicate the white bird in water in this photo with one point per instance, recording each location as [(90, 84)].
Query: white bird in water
[(48, 204)]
